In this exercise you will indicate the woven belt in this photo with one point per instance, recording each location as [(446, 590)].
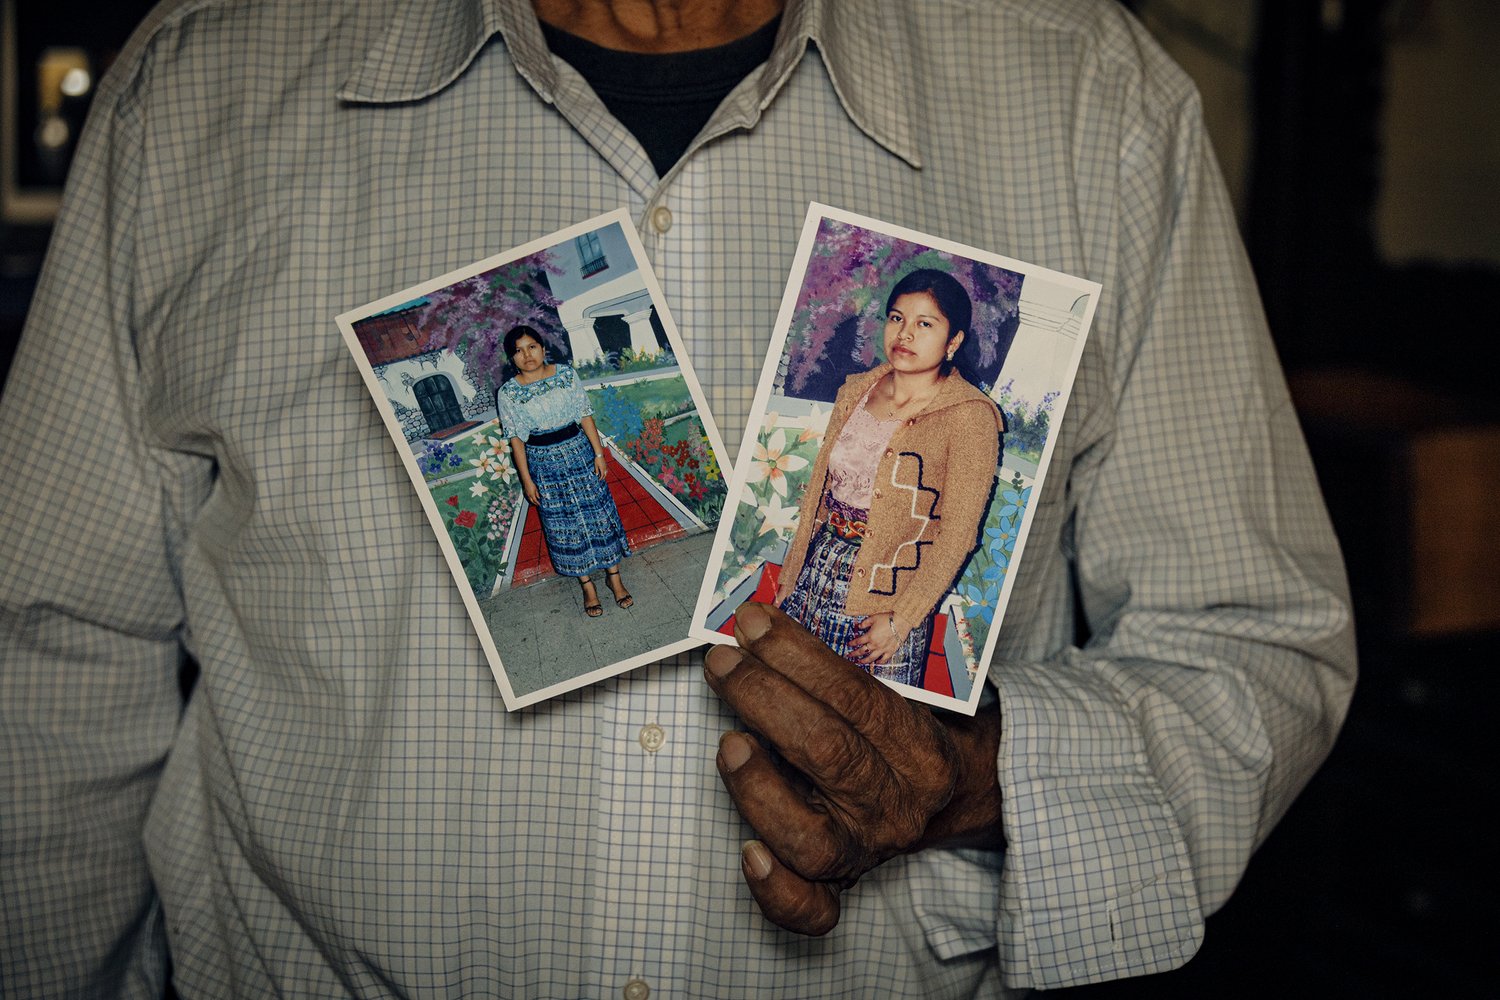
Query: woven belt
[(553, 437), (843, 520)]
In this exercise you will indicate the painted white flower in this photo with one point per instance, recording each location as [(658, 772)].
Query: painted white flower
[(494, 458), (817, 423), (501, 470), (479, 489), (777, 518), (771, 462)]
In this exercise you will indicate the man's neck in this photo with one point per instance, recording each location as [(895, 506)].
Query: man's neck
[(658, 26)]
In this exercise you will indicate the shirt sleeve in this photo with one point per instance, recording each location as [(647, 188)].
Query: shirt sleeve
[(1143, 761), (90, 613), (578, 397), (513, 416)]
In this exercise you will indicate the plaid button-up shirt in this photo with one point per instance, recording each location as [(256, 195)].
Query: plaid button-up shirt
[(193, 468)]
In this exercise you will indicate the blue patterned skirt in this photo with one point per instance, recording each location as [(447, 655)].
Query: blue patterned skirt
[(817, 601), (579, 519)]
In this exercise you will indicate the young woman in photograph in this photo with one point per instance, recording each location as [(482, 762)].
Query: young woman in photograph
[(557, 453), (898, 490)]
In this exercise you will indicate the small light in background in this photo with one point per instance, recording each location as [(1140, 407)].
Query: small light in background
[(63, 78), (61, 73), (75, 82), (53, 134), (1333, 15)]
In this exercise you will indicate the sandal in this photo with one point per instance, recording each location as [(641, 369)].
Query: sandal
[(595, 609), (621, 600)]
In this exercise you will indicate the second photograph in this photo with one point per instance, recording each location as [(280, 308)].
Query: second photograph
[(903, 421)]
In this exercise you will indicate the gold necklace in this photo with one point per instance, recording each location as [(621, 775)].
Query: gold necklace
[(892, 407)]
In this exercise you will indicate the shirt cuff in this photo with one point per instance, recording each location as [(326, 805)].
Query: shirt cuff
[(955, 892), (1097, 881), (953, 895)]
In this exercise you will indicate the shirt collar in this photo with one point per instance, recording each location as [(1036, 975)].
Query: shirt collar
[(429, 45)]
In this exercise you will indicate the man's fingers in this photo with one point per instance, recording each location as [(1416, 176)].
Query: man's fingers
[(771, 703), (810, 735), (806, 838), (908, 738), (789, 649), (785, 898)]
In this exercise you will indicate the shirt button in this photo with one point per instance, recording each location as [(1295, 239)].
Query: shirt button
[(861, 571), (889, 453), (636, 989), (652, 738), (661, 218), (877, 494)]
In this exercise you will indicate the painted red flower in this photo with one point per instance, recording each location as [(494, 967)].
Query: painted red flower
[(452, 501), (465, 519)]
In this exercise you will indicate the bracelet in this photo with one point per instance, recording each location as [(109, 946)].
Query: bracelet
[(891, 621)]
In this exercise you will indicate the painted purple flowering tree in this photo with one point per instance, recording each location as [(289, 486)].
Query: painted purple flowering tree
[(836, 327), (472, 317)]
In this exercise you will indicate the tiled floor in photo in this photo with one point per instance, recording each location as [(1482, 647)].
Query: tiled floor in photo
[(544, 637)]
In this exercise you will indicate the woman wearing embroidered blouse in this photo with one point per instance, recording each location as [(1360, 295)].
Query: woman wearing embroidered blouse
[(898, 490), (561, 462)]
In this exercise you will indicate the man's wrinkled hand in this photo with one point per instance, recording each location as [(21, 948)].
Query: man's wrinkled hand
[(845, 775)]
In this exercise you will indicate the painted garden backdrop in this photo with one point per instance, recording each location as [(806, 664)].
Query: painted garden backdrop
[(454, 335)]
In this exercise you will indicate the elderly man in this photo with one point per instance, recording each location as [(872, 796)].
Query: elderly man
[(195, 485)]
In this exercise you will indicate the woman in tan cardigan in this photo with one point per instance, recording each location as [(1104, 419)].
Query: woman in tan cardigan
[(898, 490)]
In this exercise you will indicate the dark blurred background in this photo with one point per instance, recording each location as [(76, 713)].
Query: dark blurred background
[(1359, 141)]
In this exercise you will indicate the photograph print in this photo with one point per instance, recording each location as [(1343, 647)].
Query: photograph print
[(901, 426), (560, 445)]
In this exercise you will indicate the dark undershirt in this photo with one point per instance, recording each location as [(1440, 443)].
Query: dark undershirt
[(664, 99)]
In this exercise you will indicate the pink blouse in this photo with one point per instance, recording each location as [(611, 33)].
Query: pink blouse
[(856, 455)]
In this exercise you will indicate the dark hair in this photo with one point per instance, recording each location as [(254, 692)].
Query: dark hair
[(513, 339), (950, 296)]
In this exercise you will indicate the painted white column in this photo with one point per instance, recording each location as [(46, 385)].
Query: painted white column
[(584, 341), (642, 337)]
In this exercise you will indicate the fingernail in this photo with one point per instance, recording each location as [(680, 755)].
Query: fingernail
[(734, 750), (750, 622), (757, 859), (721, 660)]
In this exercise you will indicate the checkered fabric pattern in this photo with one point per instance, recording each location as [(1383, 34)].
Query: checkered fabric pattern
[(193, 468)]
